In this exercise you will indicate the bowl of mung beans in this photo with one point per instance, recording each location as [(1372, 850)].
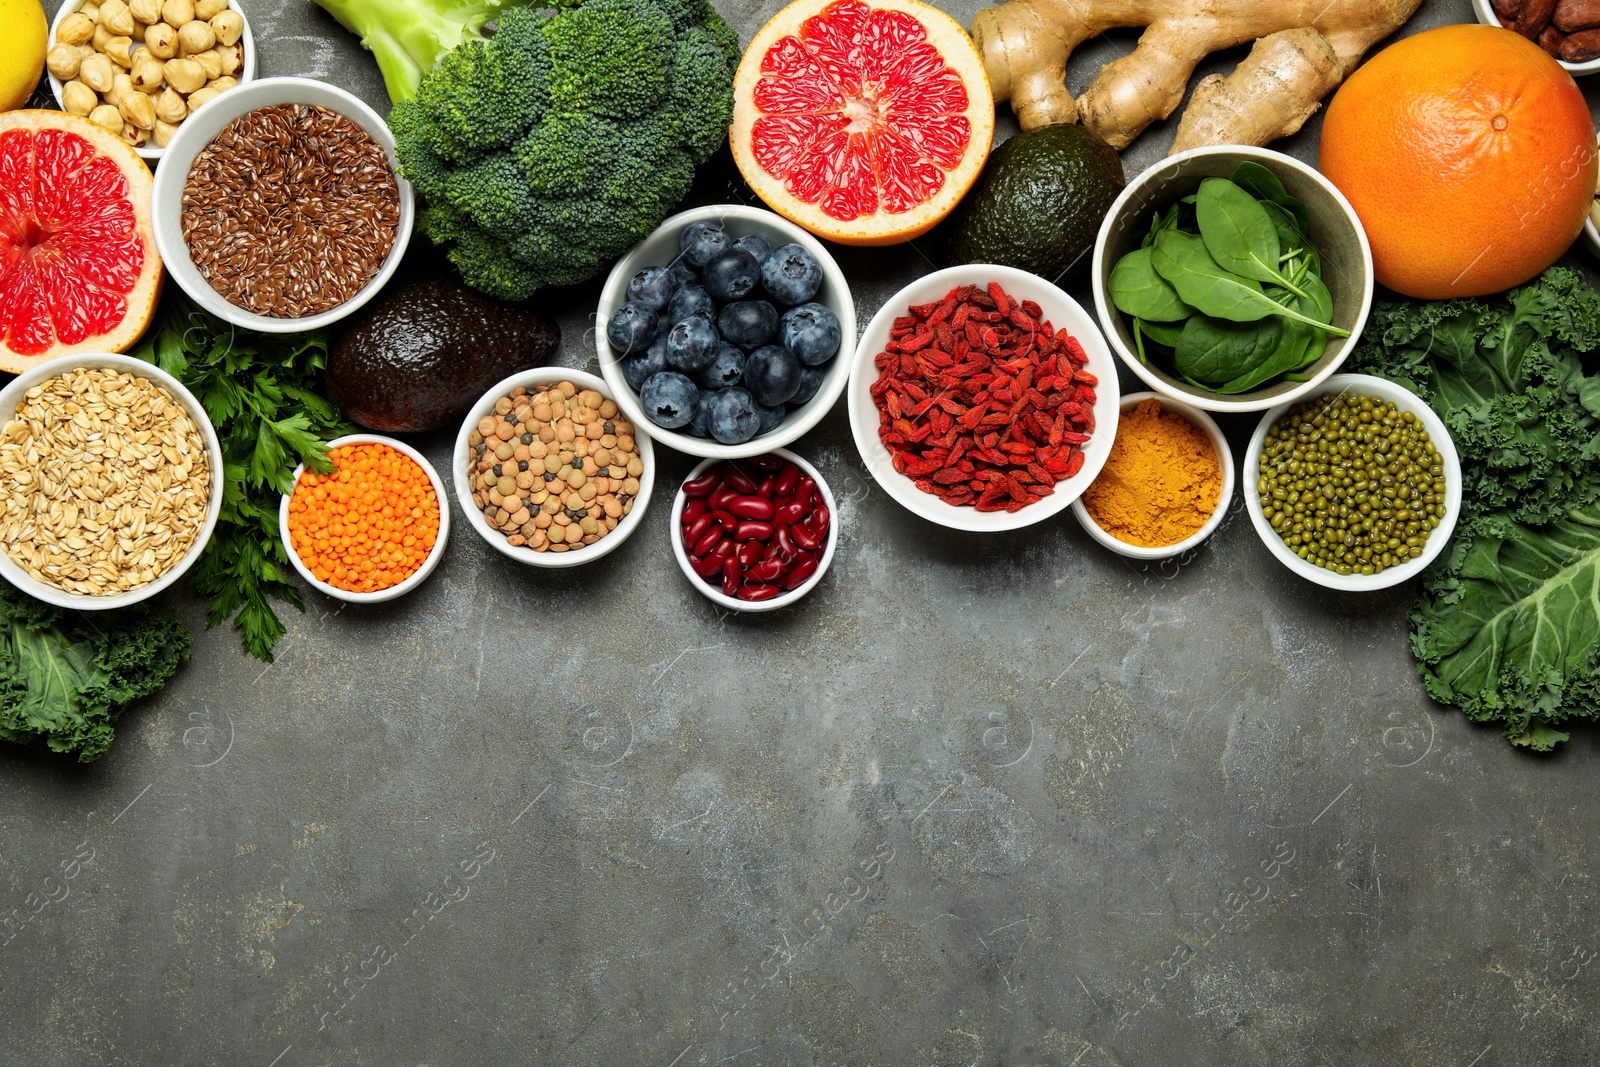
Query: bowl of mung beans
[(278, 205), (550, 471), (370, 529), (111, 481), (1357, 487)]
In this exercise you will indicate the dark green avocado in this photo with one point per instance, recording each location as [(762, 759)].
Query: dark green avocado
[(425, 350), (1039, 202)]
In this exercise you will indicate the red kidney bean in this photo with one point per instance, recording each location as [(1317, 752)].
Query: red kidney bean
[(764, 487), (708, 567), (732, 576), (804, 537), (751, 507), (702, 486), (804, 487), (786, 479), (720, 498), (737, 479), (724, 549), (752, 530), (758, 592), (697, 529), (799, 574), (765, 463), (785, 542), (707, 542), (726, 519), (748, 554), (818, 523), (790, 514), (769, 570), (693, 510)]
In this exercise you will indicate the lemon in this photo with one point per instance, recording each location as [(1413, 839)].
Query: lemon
[(22, 49)]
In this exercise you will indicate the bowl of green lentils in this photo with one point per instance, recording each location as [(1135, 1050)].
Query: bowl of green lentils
[(1356, 488)]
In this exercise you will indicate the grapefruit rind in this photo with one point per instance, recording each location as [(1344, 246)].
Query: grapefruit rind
[(69, 290), (919, 154)]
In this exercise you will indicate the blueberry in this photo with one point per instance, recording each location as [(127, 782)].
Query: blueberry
[(685, 274), (652, 287), (751, 323), (810, 382), (771, 418), (631, 329), (772, 375), (811, 332), (756, 246), (733, 275), (692, 344), (642, 366), (690, 300), (701, 242), (669, 399), (792, 275), (700, 425), (733, 416), (726, 368)]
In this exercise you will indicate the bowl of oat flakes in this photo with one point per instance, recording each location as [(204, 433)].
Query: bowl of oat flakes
[(109, 481), (278, 206)]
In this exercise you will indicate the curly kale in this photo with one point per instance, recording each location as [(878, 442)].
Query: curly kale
[(64, 678), (1508, 625), (555, 145)]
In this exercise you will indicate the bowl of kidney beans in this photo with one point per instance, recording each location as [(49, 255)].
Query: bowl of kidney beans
[(754, 534)]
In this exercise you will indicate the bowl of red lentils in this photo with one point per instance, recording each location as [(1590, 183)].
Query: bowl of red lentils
[(373, 526), (278, 205), (550, 471)]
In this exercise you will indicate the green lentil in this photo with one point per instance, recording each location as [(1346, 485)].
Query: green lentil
[(1351, 483)]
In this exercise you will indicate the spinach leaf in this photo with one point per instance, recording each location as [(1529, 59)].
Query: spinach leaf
[(1163, 333), (1182, 259), (1239, 233), (1290, 239), (1137, 290), (1216, 350), (1287, 357), (1265, 185)]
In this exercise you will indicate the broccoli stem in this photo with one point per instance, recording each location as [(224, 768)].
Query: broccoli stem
[(407, 37)]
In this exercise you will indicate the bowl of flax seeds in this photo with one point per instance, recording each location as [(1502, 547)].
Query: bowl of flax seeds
[(278, 206)]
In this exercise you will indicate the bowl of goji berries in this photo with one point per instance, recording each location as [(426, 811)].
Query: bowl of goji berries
[(755, 534), (983, 398)]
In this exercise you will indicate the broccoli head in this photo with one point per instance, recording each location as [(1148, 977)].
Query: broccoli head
[(554, 145)]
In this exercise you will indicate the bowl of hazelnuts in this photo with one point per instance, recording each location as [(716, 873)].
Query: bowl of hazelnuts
[(140, 67)]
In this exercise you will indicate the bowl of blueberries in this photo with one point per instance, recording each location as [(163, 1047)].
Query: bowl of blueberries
[(720, 332)]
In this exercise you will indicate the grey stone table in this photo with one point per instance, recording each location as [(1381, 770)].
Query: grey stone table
[(978, 800)]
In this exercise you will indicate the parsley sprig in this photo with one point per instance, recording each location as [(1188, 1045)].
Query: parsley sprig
[(261, 391)]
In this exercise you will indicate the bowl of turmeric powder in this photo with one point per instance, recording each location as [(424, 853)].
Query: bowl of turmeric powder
[(1166, 485)]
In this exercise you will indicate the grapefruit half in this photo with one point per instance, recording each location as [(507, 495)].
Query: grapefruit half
[(79, 270), (864, 122)]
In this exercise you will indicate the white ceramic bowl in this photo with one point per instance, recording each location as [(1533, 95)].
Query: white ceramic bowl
[(1591, 233), (150, 153), (461, 469), (1484, 9), (12, 395), (418, 576), (1336, 232), (199, 130), (1219, 444), (1405, 400), (1062, 312), (661, 248), (715, 593)]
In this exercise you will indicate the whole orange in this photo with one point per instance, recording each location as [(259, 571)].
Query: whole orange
[(1468, 153)]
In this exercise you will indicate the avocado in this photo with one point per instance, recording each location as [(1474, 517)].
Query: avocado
[(426, 349), (1039, 202)]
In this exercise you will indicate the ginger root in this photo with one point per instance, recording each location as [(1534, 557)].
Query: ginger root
[(1303, 50)]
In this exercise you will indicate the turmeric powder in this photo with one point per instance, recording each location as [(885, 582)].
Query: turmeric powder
[(1162, 482)]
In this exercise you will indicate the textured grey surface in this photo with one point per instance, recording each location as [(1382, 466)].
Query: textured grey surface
[(997, 800)]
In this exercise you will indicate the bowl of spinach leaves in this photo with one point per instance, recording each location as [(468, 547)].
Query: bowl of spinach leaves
[(1232, 278)]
